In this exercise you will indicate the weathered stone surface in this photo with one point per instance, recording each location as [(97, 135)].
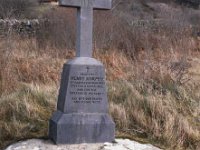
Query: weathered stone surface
[(81, 128), (82, 110), (96, 4), (85, 22), (21, 27), (83, 88), (120, 144)]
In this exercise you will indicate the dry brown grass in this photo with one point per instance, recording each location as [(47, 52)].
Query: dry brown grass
[(160, 118), (152, 99), (25, 113), (22, 62), (153, 79)]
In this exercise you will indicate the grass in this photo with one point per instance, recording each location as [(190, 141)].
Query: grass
[(159, 118), (25, 113), (148, 103), (155, 118), (152, 75)]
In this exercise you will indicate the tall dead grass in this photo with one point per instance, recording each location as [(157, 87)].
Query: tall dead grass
[(17, 8), (22, 63), (162, 119), (154, 99), (152, 71), (25, 113)]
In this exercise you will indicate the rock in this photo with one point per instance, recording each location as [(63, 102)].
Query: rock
[(120, 144), (126, 144)]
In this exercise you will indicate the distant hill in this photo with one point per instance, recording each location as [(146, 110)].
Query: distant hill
[(184, 10)]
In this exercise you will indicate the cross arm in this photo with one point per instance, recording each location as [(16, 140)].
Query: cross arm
[(96, 4), (102, 4), (70, 3)]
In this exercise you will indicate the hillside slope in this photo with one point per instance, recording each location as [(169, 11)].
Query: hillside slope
[(151, 52)]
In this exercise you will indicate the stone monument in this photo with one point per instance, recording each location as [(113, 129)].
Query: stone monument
[(82, 108)]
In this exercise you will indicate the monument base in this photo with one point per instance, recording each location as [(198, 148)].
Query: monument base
[(79, 128)]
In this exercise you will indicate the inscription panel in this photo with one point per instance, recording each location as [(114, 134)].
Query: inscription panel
[(83, 89), (87, 87)]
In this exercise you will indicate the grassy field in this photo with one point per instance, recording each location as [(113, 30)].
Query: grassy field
[(148, 100), (152, 68)]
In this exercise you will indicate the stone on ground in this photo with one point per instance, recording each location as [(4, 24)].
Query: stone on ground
[(119, 144)]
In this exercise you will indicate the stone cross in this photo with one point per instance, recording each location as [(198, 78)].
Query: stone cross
[(82, 109), (85, 22)]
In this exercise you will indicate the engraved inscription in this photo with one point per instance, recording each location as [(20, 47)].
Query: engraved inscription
[(87, 88)]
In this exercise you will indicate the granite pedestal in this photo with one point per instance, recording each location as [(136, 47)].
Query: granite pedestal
[(82, 109)]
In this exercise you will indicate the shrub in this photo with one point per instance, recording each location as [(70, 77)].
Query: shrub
[(57, 30), (16, 8), (191, 3)]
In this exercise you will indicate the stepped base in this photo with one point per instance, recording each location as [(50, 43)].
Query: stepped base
[(81, 128)]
